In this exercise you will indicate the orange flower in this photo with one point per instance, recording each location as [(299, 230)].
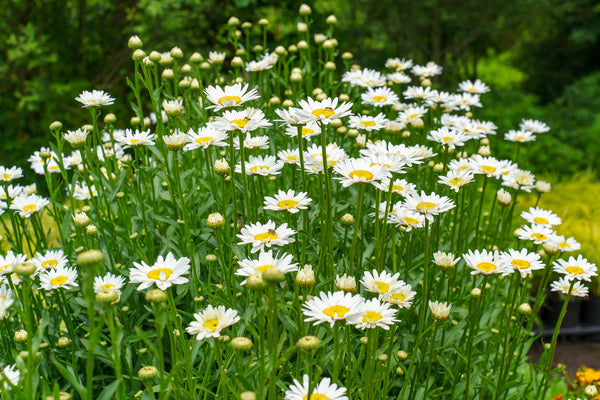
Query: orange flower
[(587, 375)]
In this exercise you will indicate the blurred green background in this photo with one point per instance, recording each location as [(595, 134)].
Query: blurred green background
[(540, 57)]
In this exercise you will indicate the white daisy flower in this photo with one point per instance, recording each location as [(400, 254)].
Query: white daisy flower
[(563, 285), (476, 87), (445, 260), (8, 261), (204, 137), (264, 262), (289, 116), (539, 216), (95, 98), (26, 205), (538, 234), (244, 121), (576, 268), (211, 321), (467, 100), (331, 307), (81, 191), (398, 78), (374, 314), (289, 156), (379, 282), (569, 244), (324, 390), (359, 170), (173, 107), (323, 111), (448, 136), (439, 310), (379, 97), (136, 138), (309, 130), (456, 179), (313, 157), (409, 219), (364, 78), (6, 300), (164, 273), (12, 374), (428, 204), (13, 192), (419, 93), (50, 259), (398, 64), (215, 57), (427, 71), (252, 143), (519, 136), (261, 235), (10, 174), (482, 262), (77, 138), (489, 166), (410, 114), (107, 282), (287, 201), (367, 122), (59, 278), (229, 96), (522, 261), (399, 186), (519, 179), (401, 295), (259, 165), (534, 126)]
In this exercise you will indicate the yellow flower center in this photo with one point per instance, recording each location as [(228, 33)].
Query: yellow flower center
[(448, 139), (367, 123), (398, 297), (488, 169), (457, 182), (156, 273), (30, 208), (522, 264), (382, 286), (540, 220), (211, 324), (50, 264), (361, 174), (203, 140), (520, 137), (287, 203), (134, 141), (241, 123), (107, 286), (379, 99), (538, 236), (397, 188), (6, 267), (263, 268), (486, 266), (574, 269), (229, 99), (6, 176), (307, 131), (58, 281), (564, 245), (325, 112), (334, 311), (268, 236), (426, 205), (316, 396), (371, 316), (256, 168), (411, 221), (2, 298)]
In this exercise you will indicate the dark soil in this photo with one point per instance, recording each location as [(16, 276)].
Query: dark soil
[(573, 352)]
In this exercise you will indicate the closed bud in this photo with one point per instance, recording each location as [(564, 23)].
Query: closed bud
[(280, 51), (302, 45), (222, 166), (135, 42), (215, 221), (56, 126), (591, 390), (63, 342), (149, 372), (402, 355), (292, 48), (249, 396), (347, 219), (176, 52), (237, 62), (246, 25), (241, 343), (301, 27), (211, 258), (347, 56), (305, 277), (476, 292), (330, 66), (273, 276), (90, 257), (305, 9), (255, 282), (308, 343), (263, 22), (107, 296), (154, 56), (525, 309), (24, 269), (331, 20), (156, 296)]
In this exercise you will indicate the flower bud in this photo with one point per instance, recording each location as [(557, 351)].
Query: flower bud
[(24, 269), (255, 282), (308, 343), (135, 42), (90, 257), (148, 372), (273, 276), (331, 20), (233, 21), (156, 296), (305, 9), (56, 126), (249, 395), (347, 56), (347, 220), (176, 52), (154, 56), (263, 22), (215, 221), (525, 309), (346, 283), (222, 166), (20, 336), (241, 343), (211, 258), (305, 277), (91, 230), (107, 296), (402, 355)]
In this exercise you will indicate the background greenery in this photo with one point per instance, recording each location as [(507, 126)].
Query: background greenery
[(540, 57)]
